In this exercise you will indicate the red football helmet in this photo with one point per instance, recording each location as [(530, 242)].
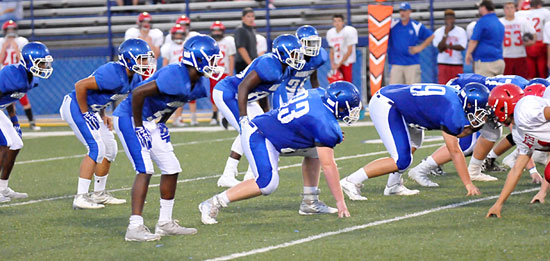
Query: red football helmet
[(175, 30), (525, 5), (334, 76), (535, 89), (503, 100), (183, 20), (217, 26), (9, 25), (144, 17)]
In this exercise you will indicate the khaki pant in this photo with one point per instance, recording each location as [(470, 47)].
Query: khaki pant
[(489, 69), (405, 74)]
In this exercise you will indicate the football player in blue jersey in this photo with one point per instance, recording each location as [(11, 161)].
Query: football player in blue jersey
[(401, 113), (15, 81), (145, 140), (84, 111), (308, 120), (262, 77)]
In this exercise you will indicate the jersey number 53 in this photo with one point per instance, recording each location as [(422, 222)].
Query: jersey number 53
[(297, 107)]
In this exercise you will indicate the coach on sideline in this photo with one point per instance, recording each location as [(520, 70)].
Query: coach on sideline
[(485, 47)]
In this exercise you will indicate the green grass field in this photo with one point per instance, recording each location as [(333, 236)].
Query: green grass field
[(44, 226)]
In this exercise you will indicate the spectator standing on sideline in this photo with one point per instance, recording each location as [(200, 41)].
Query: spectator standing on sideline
[(153, 36), (536, 53), (342, 40), (11, 45), (485, 47), (261, 44), (450, 40), (408, 37), (227, 47), (245, 41), (515, 28), (11, 10)]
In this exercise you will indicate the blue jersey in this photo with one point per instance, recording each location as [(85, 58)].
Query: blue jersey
[(113, 85), (490, 82), (428, 106), (175, 90), (14, 83), (270, 71), (304, 122)]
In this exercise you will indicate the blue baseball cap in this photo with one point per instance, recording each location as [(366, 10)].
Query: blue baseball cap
[(404, 6)]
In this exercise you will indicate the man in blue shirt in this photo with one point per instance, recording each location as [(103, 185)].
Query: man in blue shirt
[(307, 120), (408, 37), (485, 46)]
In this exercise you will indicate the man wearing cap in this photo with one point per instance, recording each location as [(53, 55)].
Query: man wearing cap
[(450, 40), (408, 37), (485, 46), (153, 36), (516, 31), (245, 41)]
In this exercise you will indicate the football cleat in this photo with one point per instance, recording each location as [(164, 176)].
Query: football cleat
[(83, 201), (438, 171), (141, 234), (104, 197), (224, 123), (400, 190), (352, 190), (209, 210), (312, 205), (8, 192), (491, 165), (172, 227), (34, 127), (214, 122), (4, 199), (420, 175)]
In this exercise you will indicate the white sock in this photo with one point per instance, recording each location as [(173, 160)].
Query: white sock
[(3, 184), (230, 165), (393, 179), (475, 162), (310, 190), (166, 207), (358, 176), (223, 198), (83, 186), (135, 221), (100, 182), (492, 155), (430, 163)]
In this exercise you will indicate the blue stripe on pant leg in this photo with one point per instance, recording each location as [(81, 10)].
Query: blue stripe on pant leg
[(132, 143), (78, 119), (261, 158), (401, 138), (3, 141)]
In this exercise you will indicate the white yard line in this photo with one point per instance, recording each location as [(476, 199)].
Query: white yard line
[(358, 227), (203, 178)]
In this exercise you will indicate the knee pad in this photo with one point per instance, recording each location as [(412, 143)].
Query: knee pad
[(111, 150), (271, 185), (403, 162), (237, 146)]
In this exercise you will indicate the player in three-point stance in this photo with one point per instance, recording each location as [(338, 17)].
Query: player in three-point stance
[(15, 81), (146, 140), (308, 120)]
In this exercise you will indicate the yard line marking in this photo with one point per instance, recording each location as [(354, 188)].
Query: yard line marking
[(358, 227), (82, 155), (206, 177)]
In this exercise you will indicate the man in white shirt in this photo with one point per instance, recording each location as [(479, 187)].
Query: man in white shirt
[(342, 40), (536, 53), (153, 36), (228, 49), (450, 40), (515, 28), (261, 44), (11, 45)]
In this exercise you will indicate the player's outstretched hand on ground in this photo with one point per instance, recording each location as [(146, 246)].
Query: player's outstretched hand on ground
[(539, 197), (472, 190), (494, 211), (536, 178), (342, 209)]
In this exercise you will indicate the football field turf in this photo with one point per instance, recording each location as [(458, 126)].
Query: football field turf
[(439, 223)]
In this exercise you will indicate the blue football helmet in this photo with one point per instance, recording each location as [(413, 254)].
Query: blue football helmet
[(203, 53), (136, 55), (474, 97), (289, 51), (37, 59), (539, 81), (310, 40), (343, 99)]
